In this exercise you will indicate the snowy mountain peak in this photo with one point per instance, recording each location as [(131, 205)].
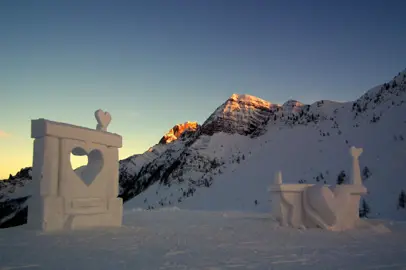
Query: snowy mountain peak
[(241, 114)]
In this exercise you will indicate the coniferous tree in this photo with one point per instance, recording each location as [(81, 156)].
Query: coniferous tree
[(402, 200), (366, 173), (341, 178), (364, 211)]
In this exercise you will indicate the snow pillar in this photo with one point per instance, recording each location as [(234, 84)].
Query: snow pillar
[(356, 172)]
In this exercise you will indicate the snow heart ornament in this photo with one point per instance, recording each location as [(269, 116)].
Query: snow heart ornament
[(103, 119)]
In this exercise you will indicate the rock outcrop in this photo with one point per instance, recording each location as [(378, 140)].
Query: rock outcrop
[(177, 131)]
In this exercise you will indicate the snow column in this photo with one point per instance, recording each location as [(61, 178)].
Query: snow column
[(356, 172)]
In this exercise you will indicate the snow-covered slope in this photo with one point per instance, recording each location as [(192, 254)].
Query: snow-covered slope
[(229, 161)]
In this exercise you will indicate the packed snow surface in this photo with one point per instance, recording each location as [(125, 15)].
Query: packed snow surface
[(181, 239)]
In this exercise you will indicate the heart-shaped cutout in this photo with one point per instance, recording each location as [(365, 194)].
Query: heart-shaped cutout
[(88, 173), (329, 204), (103, 119)]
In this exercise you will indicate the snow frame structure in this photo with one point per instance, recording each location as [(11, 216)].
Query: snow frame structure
[(73, 199), (319, 206)]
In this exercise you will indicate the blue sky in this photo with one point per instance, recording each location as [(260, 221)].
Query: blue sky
[(153, 64)]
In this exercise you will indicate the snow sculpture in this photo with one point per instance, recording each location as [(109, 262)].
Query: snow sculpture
[(71, 199), (331, 208)]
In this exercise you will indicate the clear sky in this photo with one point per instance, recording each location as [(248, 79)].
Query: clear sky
[(153, 64)]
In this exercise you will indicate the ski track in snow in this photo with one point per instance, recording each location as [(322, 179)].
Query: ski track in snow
[(186, 239)]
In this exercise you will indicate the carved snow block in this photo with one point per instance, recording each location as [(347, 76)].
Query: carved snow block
[(331, 208), (286, 204), (312, 206), (72, 199)]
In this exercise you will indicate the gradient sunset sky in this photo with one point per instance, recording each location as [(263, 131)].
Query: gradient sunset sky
[(153, 64)]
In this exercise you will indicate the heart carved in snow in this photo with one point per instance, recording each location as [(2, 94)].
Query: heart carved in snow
[(330, 205), (89, 172), (103, 119)]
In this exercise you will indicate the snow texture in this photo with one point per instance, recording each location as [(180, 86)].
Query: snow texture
[(181, 239)]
